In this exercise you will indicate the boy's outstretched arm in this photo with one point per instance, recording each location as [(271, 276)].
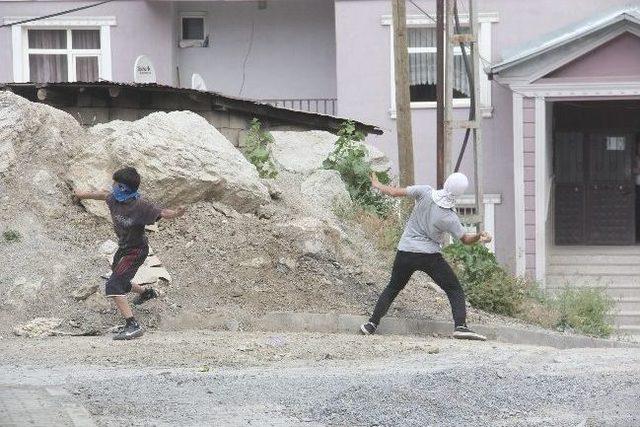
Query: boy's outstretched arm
[(387, 189), (90, 195), (172, 213)]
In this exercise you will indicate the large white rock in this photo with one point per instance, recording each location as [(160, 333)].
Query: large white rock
[(7, 155), (379, 161), (180, 156), (325, 190), (303, 152), (35, 132)]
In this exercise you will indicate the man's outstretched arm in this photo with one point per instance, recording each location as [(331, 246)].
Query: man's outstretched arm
[(472, 238), (387, 189)]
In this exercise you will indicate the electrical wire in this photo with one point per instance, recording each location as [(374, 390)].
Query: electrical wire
[(64, 12), (423, 11), (246, 57), (488, 64)]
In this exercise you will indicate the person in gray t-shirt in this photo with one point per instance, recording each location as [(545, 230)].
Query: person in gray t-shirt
[(420, 248)]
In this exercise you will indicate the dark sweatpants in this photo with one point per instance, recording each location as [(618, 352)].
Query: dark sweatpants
[(405, 264)]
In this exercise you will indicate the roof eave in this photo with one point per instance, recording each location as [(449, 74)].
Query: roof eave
[(565, 39)]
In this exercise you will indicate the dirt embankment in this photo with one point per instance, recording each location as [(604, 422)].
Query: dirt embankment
[(245, 247)]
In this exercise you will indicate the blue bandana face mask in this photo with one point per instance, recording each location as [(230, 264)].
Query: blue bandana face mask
[(122, 193)]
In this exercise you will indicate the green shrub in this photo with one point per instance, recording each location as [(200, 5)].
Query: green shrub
[(11, 236), (257, 150), (487, 285), (349, 159), (584, 310), (490, 287)]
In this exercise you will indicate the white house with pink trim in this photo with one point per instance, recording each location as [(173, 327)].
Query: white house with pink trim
[(559, 100)]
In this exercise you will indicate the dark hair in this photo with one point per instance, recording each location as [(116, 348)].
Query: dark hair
[(128, 176)]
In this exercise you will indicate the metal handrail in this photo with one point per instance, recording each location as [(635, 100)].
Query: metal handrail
[(314, 105)]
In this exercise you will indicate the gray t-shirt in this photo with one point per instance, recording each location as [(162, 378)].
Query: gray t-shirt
[(428, 223)]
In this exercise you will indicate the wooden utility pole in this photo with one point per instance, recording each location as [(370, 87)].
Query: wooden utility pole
[(440, 94), (478, 158), (448, 39), (403, 101)]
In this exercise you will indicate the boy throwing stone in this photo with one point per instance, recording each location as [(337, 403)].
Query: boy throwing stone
[(130, 215), (421, 245)]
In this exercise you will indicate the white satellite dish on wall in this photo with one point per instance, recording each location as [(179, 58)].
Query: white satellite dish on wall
[(143, 70), (197, 82)]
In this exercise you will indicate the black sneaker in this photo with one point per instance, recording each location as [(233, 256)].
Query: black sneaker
[(150, 293), (118, 329), (368, 328), (464, 333), (130, 332)]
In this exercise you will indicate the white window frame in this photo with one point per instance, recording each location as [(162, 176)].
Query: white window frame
[(21, 51), (484, 44), (201, 15)]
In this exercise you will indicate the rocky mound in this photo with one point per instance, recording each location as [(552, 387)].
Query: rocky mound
[(245, 246)]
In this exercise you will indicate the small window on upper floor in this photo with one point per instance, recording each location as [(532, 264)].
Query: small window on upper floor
[(193, 28)]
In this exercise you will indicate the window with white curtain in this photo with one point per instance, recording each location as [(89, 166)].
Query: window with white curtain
[(63, 55), (423, 68), (422, 47)]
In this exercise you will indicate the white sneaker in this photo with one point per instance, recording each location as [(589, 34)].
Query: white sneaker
[(368, 328), (464, 333)]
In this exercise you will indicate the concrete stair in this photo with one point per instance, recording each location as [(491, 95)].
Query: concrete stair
[(615, 269)]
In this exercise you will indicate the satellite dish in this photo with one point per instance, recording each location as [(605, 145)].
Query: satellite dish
[(197, 82), (143, 70)]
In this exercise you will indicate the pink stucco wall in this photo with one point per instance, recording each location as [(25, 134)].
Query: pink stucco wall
[(292, 55), (363, 86), (143, 27), (616, 54)]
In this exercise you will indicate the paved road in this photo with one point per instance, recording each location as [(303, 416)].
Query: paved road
[(41, 406), (319, 380)]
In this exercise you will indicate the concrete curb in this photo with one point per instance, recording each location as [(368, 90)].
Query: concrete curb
[(348, 323)]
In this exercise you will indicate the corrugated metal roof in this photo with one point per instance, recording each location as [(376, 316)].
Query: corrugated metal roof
[(327, 121), (566, 35)]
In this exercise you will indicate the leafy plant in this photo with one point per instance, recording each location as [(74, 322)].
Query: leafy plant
[(490, 287), (10, 236), (349, 159), (584, 310), (487, 286), (257, 151)]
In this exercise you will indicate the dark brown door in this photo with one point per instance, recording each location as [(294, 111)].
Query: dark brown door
[(594, 194), (570, 201), (610, 194)]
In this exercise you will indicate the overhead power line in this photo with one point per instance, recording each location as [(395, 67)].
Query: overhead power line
[(487, 63), (64, 12)]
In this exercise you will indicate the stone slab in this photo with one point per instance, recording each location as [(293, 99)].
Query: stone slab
[(348, 323)]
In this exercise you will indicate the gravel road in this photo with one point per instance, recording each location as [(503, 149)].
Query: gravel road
[(198, 378)]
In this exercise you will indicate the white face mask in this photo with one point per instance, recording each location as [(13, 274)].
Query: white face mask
[(456, 184)]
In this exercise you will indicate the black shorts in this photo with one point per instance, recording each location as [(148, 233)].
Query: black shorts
[(126, 263)]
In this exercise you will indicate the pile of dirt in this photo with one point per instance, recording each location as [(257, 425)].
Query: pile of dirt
[(245, 246)]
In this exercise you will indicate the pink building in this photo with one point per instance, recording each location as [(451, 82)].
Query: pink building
[(559, 100)]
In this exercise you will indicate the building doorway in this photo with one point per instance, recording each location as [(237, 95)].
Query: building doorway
[(595, 167)]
